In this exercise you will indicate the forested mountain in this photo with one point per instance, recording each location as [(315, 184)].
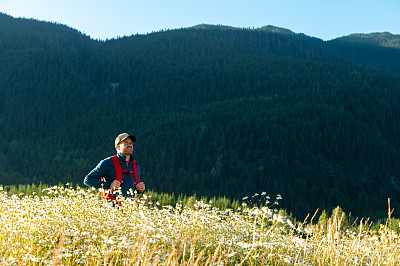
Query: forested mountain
[(384, 39), (216, 111)]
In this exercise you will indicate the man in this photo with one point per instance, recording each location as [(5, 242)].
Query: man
[(105, 174)]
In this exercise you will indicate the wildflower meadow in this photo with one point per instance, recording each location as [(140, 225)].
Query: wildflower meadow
[(73, 226)]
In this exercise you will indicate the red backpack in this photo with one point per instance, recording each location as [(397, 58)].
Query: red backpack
[(118, 176)]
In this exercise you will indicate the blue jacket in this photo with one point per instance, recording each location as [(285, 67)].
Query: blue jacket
[(106, 169)]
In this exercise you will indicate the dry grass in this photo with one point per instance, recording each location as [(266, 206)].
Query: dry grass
[(75, 227)]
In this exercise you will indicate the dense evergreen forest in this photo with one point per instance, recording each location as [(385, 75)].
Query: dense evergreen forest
[(217, 111)]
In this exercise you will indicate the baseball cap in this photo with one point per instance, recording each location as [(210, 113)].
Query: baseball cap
[(123, 136)]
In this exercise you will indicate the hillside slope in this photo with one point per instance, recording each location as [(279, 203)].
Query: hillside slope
[(217, 111)]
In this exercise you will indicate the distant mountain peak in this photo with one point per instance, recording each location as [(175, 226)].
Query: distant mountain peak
[(269, 28), (212, 27), (385, 39), (275, 29)]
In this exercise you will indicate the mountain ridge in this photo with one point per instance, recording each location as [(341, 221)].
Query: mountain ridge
[(384, 39), (204, 26)]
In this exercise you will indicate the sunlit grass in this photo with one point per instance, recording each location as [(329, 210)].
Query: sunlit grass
[(73, 226)]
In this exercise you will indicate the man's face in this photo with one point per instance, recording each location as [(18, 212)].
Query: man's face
[(125, 147)]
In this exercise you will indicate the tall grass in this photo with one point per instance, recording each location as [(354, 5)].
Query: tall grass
[(73, 226)]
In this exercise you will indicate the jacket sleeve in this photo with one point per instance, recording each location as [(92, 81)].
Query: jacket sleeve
[(94, 178)]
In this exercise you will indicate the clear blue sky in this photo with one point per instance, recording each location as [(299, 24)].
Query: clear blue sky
[(109, 19)]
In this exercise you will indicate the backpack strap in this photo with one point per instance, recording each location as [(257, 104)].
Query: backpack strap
[(118, 168), (118, 176), (135, 172)]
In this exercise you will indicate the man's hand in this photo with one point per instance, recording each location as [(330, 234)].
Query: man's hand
[(115, 185), (140, 187)]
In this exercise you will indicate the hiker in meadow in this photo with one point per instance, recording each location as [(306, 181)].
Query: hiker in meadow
[(120, 171)]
